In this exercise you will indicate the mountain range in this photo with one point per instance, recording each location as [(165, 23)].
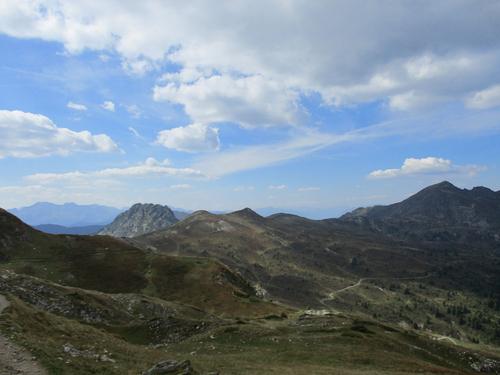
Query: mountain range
[(67, 214), (72, 218), (440, 212), (409, 288)]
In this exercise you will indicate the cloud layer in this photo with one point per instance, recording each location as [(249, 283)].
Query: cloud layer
[(426, 166), (235, 63), (27, 135), (149, 167)]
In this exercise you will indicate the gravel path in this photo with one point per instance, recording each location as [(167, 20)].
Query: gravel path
[(13, 359)]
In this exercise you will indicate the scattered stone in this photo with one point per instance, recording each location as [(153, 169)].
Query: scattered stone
[(171, 367)]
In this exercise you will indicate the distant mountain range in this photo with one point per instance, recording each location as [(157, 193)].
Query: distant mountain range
[(67, 214), (72, 218), (414, 284), (61, 229), (140, 219)]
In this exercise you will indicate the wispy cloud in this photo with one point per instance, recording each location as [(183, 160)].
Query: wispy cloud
[(108, 106), (180, 186), (307, 141), (134, 132), (150, 167), (308, 188), (277, 187), (76, 106)]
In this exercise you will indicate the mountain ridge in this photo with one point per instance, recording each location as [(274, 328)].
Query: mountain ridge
[(67, 214)]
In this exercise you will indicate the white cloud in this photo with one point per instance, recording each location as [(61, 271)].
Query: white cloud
[(108, 106), (249, 101), (412, 100), (487, 98), (277, 187), (304, 141), (191, 138), (149, 167), (442, 50), (25, 135), (134, 132), (309, 188), (76, 106), (252, 157), (429, 165), (133, 110), (180, 186), (104, 58)]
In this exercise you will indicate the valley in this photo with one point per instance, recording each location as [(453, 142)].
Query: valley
[(239, 293)]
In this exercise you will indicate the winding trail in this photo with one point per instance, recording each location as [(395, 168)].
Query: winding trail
[(333, 294), (15, 360)]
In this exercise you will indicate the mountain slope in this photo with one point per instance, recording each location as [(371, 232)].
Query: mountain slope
[(140, 219), (296, 260), (60, 229), (68, 214), (440, 212), (348, 267), (111, 265)]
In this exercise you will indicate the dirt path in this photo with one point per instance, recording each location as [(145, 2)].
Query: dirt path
[(13, 359), (332, 295)]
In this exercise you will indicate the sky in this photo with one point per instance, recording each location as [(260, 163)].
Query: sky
[(308, 107)]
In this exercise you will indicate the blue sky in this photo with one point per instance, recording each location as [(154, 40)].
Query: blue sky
[(310, 108)]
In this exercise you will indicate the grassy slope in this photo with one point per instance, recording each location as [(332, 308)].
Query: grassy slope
[(111, 265), (300, 262), (298, 345)]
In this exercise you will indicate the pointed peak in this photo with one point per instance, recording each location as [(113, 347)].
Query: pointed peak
[(444, 184), (248, 213)]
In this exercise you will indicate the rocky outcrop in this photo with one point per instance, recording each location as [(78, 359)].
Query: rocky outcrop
[(171, 367), (140, 219)]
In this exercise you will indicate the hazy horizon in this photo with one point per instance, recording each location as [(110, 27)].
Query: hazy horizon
[(318, 107)]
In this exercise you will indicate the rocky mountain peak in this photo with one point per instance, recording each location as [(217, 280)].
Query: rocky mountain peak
[(436, 212), (140, 219)]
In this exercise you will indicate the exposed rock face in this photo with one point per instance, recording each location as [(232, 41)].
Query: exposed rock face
[(171, 367), (140, 219), (440, 212)]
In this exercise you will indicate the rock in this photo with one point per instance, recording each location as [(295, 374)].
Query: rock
[(140, 219), (171, 367)]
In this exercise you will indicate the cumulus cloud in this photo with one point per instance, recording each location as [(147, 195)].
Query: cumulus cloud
[(429, 165), (149, 167), (108, 106), (484, 99), (26, 135), (248, 101), (76, 106), (442, 50), (191, 138)]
